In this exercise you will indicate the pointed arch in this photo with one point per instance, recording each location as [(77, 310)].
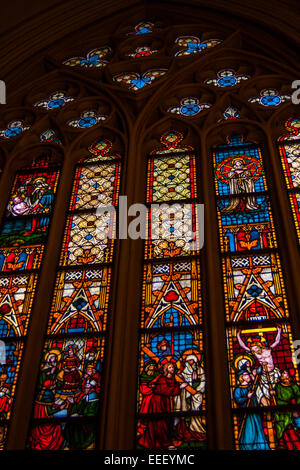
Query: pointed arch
[(134, 122)]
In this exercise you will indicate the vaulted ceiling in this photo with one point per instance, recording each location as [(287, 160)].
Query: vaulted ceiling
[(28, 29)]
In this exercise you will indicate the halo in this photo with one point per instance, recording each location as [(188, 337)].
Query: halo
[(193, 352), (40, 177), (293, 124), (57, 352), (165, 359), (224, 166), (243, 159), (239, 357)]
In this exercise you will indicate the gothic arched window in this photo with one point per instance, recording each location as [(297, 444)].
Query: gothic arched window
[(289, 147), (171, 397), (23, 237), (147, 321)]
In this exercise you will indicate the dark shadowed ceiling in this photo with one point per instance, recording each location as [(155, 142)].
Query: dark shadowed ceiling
[(29, 27)]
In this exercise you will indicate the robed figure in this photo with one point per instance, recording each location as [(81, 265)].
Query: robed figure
[(252, 436), (47, 436), (240, 174), (164, 388)]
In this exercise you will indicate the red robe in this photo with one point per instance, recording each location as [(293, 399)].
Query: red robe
[(158, 433), (147, 393), (5, 405), (71, 376), (45, 436)]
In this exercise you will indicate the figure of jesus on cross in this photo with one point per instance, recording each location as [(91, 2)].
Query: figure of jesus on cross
[(269, 374)]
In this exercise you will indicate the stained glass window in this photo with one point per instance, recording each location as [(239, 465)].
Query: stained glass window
[(95, 59), (171, 394), (50, 136), (143, 28), (24, 227), (93, 319), (135, 81), (246, 221), (189, 107), (13, 129), (87, 119), (70, 378), (269, 97), (264, 380), (54, 101), (22, 240), (226, 78), (193, 45), (142, 51), (231, 113), (289, 149)]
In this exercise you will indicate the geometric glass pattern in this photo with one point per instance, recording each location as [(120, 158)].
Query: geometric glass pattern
[(87, 119), (189, 107), (88, 237), (96, 58), (143, 28), (135, 81), (22, 239), (16, 297), (264, 380), (95, 183), (193, 45), (55, 101), (80, 300), (254, 288), (270, 97), (13, 129), (172, 230), (289, 150), (173, 177), (226, 78), (143, 51), (171, 402), (70, 380)]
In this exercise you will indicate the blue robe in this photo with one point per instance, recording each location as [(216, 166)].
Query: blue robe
[(252, 436)]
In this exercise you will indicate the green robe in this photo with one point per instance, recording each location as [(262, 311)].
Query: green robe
[(81, 435), (284, 396)]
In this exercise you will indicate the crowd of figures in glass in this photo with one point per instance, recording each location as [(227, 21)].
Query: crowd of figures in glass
[(70, 380), (68, 386), (22, 239), (171, 394), (264, 379)]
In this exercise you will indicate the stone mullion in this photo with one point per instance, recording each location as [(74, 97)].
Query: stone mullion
[(117, 429), (219, 421), (25, 391)]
